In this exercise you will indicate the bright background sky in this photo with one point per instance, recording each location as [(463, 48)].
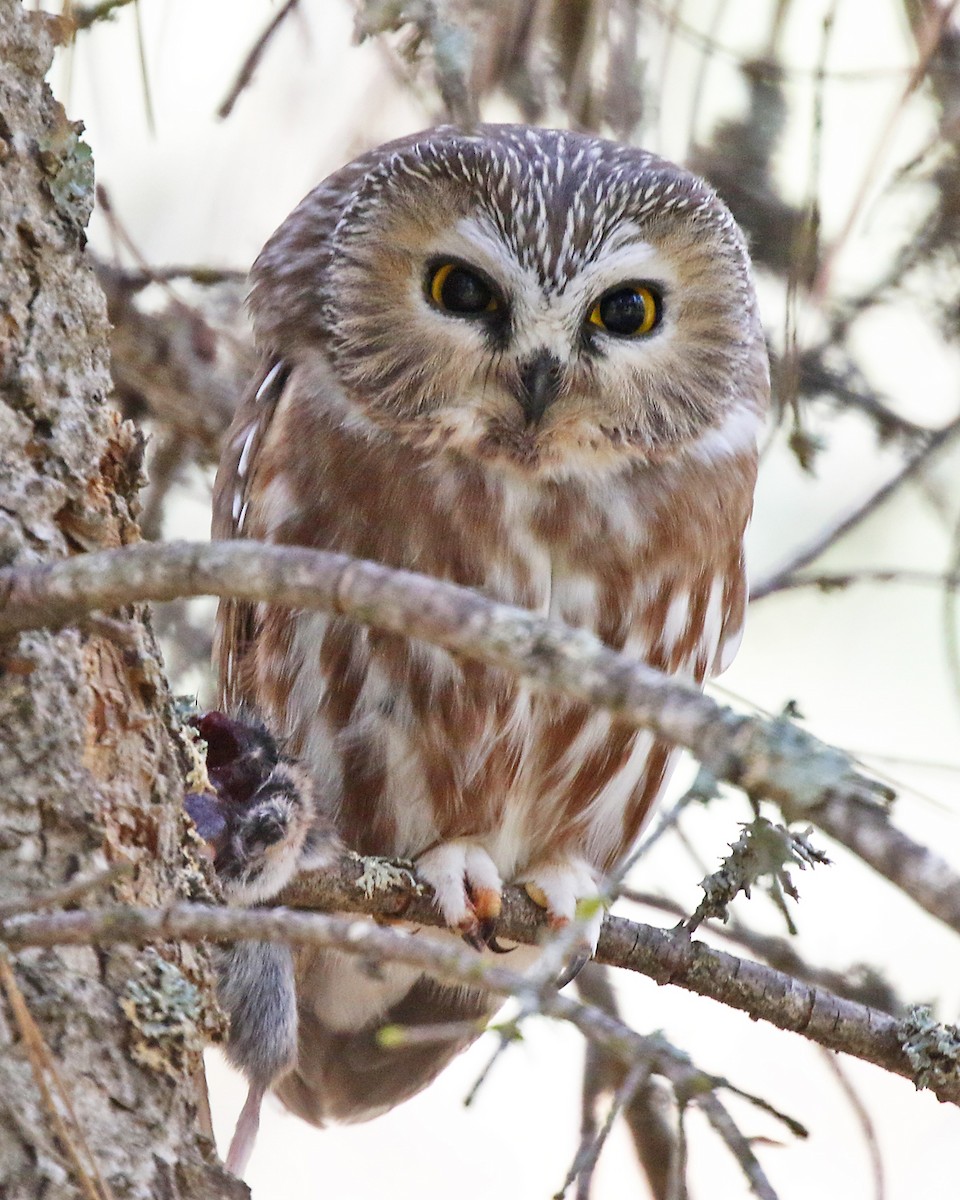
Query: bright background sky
[(866, 666)]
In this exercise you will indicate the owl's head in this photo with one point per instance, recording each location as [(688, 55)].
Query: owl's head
[(541, 299)]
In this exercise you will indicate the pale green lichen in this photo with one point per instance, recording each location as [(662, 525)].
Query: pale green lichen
[(197, 779), (68, 162), (169, 1021), (381, 875), (763, 853), (932, 1049)]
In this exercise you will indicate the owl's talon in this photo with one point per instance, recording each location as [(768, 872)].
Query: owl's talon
[(488, 930), (566, 887), (487, 904), (466, 887), (555, 921), (573, 968), (473, 937)]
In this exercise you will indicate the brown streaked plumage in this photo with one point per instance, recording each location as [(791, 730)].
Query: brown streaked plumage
[(517, 433)]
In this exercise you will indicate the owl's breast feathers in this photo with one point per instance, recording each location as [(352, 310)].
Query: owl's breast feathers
[(416, 746)]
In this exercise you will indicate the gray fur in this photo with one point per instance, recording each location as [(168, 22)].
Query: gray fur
[(257, 990)]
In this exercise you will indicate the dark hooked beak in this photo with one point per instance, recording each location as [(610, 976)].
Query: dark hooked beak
[(539, 384)]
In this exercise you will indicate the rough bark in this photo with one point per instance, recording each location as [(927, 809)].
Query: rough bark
[(89, 758)]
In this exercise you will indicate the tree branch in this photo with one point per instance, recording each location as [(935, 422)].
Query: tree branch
[(768, 759), (665, 956)]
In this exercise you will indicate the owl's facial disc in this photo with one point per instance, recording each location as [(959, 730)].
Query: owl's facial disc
[(574, 306), (539, 344), (535, 335)]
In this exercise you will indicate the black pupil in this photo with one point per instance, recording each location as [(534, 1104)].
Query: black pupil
[(624, 311), (464, 292)]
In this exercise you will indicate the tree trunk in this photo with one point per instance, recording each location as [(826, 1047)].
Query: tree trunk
[(91, 760)]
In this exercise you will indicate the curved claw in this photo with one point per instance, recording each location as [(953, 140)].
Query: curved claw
[(466, 887), (573, 967), (488, 929), (483, 936)]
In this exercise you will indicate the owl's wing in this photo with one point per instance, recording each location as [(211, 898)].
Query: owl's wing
[(349, 1075), (342, 1071), (231, 492), (734, 614)]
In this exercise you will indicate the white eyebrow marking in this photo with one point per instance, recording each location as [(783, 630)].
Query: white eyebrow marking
[(628, 260)]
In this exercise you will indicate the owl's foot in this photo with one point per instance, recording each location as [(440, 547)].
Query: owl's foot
[(261, 822), (569, 890), (467, 887)]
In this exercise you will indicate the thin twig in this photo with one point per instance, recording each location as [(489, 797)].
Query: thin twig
[(170, 456), (60, 897), (590, 1147), (866, 508), (699, 790), (136, 279), (928, 49), (864, 1119), (836, 581), (769, 759), (245, 74), (737, 1144), (391, 1036), (144, 77), (667, 957), (653, 1134), (502, 1043), (951, 626), (592, 1088)]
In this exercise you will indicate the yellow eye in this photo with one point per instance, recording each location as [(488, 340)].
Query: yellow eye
[(456, 289), (628, 311)]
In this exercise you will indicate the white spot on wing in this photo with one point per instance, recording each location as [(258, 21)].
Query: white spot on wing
[(245, 452), (269, 378)]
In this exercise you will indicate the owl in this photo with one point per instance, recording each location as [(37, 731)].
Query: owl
[(527, 361)]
